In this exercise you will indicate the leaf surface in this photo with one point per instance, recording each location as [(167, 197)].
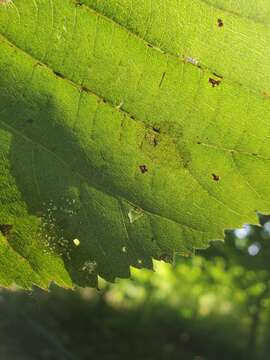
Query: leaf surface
[(129, 131)]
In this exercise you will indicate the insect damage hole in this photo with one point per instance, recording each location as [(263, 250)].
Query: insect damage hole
[(220, 22), (215, 177), (214, 82), (143, 169)]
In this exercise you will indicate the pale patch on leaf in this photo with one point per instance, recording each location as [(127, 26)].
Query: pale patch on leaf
[(134, 215)]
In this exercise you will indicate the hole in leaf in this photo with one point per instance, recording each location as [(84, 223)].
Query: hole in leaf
[(215, 177), (214, 82), (220, 23), (143, 169)]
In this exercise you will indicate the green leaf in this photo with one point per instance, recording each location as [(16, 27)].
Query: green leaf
[(129, 131)]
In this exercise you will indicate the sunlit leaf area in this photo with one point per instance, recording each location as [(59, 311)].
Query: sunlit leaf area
[(212, 305)]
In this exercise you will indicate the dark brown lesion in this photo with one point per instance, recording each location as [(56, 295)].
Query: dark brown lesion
[(220, 23), (215, 177), (214, 82), (143, 169), (5, 229)]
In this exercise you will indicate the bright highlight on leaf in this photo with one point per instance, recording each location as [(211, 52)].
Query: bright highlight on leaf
[(129, 131), (76, 242)]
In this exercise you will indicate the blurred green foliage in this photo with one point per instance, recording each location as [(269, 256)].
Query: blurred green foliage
[(214, 305)]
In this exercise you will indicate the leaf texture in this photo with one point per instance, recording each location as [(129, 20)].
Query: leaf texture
[(129, 131)]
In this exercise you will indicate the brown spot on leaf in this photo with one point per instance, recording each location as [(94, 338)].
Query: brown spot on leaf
[(220, 23), (5, 229), (215, 177), (143, 169), (214, 82)]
